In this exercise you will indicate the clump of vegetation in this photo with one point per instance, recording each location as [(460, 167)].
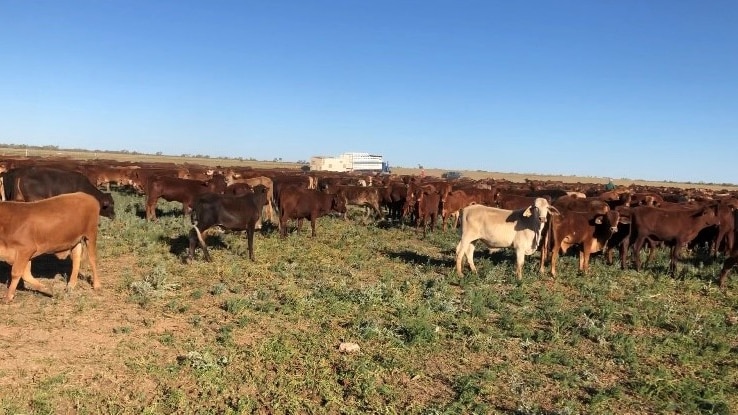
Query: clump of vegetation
[(154, 285)]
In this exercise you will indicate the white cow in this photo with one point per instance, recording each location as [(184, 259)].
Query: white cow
[(501, 228)]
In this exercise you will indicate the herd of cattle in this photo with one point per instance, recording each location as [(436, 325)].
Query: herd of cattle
[(52, 206)]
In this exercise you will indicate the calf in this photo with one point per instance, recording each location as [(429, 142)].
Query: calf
[(501, 228), (58, 225), (268, 211), (360, 196), (673, 226), (239, 213), (726, 230), (589, 229), (298, 204), (455, 201), (181, 190), (394, 196), (427, 204)]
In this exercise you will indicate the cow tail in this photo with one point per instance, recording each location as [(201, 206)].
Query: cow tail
[(199, 235)]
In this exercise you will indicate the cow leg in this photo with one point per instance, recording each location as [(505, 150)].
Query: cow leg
[(651, 251), (554, 258), (76, 260), (623, 250), (283, 225), (271, 207), (22, 269), (313, 220), (250, 239), (470, 257), (91, 246), (636, 252), (186, 211), (464, 249), (728, 265), (674, 257), (460, 253), (30, 282), (378, 212), (729, 242), (299, 226), (16, 273), (519, 260), (584, 262), (544, 252), (581, 260), (150, 209)]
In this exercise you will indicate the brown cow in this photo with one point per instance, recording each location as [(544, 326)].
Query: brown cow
[(393, 197), (726, 230), (58, 225), (360, 196), (674, 226), (180, 190), (589, 228), (455, 201), (298, 204), (513, 202), (427, 205), (268, 213), (242, 213)]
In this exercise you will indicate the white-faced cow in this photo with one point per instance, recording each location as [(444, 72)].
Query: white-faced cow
[(501, 228)]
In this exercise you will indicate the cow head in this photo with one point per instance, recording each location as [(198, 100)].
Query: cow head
[(610, 219), (338, 202), (107, 206), (709, 214), (540, 209), (217, 184)]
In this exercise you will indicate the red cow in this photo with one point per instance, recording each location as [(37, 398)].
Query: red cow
[(298, 204), (180, 190)]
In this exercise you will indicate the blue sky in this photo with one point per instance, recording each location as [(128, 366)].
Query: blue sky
[(627, 89)]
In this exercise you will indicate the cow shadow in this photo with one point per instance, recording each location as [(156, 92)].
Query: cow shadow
[(140, 212), (415, 258), (179, 245), (496, 255), (44, 267)]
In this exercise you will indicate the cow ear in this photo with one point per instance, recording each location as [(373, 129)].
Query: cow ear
[(598, 220), (527, 212), (624, 220)]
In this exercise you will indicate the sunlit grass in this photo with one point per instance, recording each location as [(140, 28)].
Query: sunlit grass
[(235, 336)]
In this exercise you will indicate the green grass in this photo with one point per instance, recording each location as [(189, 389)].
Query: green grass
[(235, 336)]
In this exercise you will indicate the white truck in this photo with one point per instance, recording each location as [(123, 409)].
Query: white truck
[(350, 162)]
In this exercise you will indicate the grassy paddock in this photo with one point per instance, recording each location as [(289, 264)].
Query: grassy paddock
[(234, 336)]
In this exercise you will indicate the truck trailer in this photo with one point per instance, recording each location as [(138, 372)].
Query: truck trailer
[(350, 162)]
